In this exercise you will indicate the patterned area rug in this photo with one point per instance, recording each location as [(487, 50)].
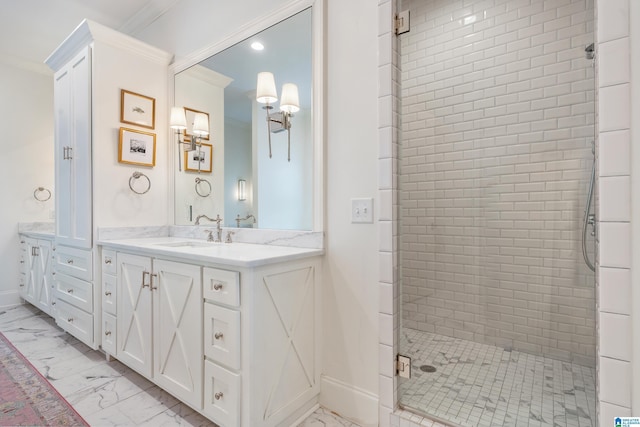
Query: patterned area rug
[(26, 397)]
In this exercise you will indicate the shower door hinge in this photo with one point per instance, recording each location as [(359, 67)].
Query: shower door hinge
[(403, 366), (401, 22)]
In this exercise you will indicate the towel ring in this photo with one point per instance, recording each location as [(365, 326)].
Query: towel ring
[(137, 175), (41, 190), (198, 181)]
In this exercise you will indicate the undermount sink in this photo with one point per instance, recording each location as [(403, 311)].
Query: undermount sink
[(185, 244)]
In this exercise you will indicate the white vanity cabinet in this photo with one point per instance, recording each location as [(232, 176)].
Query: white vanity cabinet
[(159, 323), (91, 67), (36, 278), (72, 150), (238, 342)]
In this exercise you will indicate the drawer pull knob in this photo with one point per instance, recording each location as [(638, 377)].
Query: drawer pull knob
[(53, 303), (70, 320), (21, 261), (69, 291), (22, 285), (107, 294), (21, 241), (107, 333), (107, 260), (70, 261), (218, 395), (217, 286), (218, 335)]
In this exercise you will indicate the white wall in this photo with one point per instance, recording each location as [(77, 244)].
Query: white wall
[(615, 170), (238, 165), (26, 111), (350, 296)]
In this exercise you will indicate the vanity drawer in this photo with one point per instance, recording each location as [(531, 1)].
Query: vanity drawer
[(222, 335), (75, 321), (109, 262), (74, 262), (74, 291), (221, 395), (109, 293), (221, 286), (109, 334)]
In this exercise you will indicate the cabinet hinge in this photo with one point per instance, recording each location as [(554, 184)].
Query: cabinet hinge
[(401, 22), (403, 366)]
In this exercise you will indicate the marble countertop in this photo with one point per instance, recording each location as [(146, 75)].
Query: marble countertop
[(37, 229), (232, 254)]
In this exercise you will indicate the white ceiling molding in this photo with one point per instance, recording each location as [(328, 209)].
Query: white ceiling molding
[(153, 10)]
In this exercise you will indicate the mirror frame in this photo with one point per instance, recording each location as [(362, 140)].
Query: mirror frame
[(318, 94)]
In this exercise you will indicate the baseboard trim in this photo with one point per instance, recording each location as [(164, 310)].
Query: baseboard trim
[(10, 299), (352, 403)]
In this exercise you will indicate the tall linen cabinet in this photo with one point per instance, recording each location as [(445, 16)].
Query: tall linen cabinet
[(92, 66)]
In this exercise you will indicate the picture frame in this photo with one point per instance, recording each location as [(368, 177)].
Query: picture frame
[(137, 147), (137, 109), (188, 132), (202, 155)]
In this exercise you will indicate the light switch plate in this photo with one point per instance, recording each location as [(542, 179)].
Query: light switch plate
[(362, 211)]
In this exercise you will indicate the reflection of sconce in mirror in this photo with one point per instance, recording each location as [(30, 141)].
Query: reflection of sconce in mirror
[(289, 104), (242, 195), (178, 121)]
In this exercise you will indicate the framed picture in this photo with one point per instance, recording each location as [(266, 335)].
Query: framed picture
[(137, 147), (136, 109), (188, 132), (200, 159)]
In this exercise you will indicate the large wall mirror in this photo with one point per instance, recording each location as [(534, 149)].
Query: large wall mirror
[(231, 172)]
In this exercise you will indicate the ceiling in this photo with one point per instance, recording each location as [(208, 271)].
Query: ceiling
[(30, 30)]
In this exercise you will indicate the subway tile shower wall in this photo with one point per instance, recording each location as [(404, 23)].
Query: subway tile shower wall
[(497, 130)]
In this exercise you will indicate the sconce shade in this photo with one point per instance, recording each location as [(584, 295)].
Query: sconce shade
[(289, 101), (242, 196), (178, 119), (266, 88), (200, 124)]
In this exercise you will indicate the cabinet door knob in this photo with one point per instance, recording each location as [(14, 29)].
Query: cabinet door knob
[(70, 320), (218, 395), (217, 286), (107, 333), (70, 261), (69, 291), (218, 335), (107, 260), (22, 285), (53, 303), (107, 294)]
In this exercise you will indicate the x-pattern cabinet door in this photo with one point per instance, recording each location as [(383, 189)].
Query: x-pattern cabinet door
[(134, 331), (177, 307)]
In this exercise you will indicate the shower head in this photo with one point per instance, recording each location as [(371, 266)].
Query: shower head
[(590, 51)]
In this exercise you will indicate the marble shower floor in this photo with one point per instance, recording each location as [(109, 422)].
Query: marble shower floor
[(482, 385), (104, 393)]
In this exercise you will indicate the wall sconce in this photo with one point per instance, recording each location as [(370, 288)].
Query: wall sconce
[(289, 104), (242, 195), (178, 121)]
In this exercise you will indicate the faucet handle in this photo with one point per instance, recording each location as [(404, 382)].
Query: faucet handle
[(210, 236), (228, 238)]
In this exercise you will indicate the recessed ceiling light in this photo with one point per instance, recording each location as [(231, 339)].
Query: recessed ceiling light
[(257, 46)]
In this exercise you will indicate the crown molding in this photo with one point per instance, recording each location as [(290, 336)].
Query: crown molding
[(90, 31)]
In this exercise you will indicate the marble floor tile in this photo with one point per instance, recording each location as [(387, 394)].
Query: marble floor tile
[(105, 393), (482, 385)]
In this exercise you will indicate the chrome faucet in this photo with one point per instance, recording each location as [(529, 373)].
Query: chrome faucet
[(199, 217), (218, 230), (249, 216)]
